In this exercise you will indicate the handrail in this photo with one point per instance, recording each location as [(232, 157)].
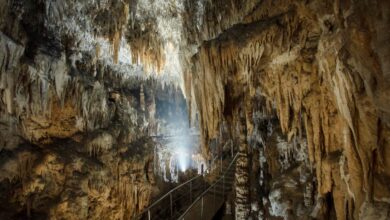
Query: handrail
[(167, 194), (148, 209), (209, 188)]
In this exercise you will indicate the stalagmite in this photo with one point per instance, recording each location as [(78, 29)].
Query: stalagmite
[(242, 203)]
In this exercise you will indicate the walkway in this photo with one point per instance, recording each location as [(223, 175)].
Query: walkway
[(194, 199)]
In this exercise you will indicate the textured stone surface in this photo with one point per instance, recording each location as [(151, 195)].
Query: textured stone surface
[(319, 69), (302, 89), (76, 113)]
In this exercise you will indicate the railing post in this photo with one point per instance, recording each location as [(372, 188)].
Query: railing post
[(148, 214), (214, 195), (223, 186), (191, 191), (170, 196), (231, 146), (221, 164), (201, 210)]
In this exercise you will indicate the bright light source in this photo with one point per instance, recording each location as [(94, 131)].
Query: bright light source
[(183, 158)]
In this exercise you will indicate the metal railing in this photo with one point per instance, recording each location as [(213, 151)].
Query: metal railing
[(192, 186), (213, 186), (148, 210)]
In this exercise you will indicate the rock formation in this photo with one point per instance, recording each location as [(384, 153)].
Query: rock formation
[(319, 68), (302, 89)]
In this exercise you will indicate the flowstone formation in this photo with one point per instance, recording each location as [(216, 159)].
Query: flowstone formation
[(300, 89), (320, 69)]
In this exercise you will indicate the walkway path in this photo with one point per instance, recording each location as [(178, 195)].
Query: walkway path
[(194, 199)]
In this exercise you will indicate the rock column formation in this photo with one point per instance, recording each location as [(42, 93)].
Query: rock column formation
[(242, 203)]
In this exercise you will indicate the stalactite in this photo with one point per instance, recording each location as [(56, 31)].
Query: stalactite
[(69, 72), (301, 79), (142, 98), (25, 163), (116, 45), (102, 143)]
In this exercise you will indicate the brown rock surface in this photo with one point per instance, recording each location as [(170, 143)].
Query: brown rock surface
[(318, 66), (302, 89)]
